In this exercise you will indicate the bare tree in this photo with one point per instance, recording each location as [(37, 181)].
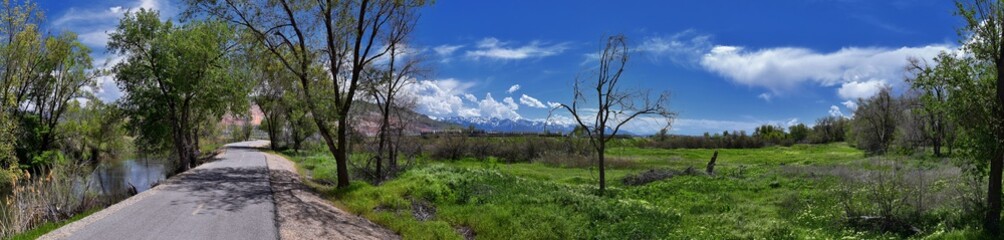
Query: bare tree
[(387, 84), (615, 107), (345, 37)]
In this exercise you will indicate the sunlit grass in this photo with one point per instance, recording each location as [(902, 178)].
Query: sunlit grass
[(753, 195)]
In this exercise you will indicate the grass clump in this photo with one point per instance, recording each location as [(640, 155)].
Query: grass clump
[(47, 227)]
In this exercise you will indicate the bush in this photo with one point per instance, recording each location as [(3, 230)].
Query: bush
[(898, 199), (509, 149), (653, 175)]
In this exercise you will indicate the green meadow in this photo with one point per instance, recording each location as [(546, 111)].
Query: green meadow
[(797, 192)]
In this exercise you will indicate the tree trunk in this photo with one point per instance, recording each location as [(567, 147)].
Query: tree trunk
[(711, 164), (937, 146), (992, 222), (341, 153), (603, 176), (181, 148)]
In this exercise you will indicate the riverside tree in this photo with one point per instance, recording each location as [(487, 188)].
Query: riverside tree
[(177, 77), (615, 106), (327, 45)]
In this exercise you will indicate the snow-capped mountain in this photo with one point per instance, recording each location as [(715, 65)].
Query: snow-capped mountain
[(507, 125)]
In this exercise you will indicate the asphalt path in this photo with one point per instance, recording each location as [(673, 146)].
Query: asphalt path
[(229, 198)]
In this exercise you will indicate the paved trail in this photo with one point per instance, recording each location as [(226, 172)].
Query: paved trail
[(231, 198)]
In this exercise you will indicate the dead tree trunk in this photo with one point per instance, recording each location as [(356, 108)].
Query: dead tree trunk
[(711, 164)]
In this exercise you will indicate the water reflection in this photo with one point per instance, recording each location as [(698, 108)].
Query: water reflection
[(122, 175)]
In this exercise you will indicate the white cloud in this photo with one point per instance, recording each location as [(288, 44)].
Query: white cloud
[(765, 96), (95, 38), (791, 122), (494, 109), (495, 49), (780, 69), (470, 97), (531, 102), (107, 90), (446, 50), (865, 89), (513, 89), (553, 104), (93, 22), (439, 97), (445, 98), (150, 4), (684, 48), (835, 111), (511, 103), (850, 105)]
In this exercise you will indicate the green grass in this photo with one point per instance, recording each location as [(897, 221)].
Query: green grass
[(50, 226), (752, 196)]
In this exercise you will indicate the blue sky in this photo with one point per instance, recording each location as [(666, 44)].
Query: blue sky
[(728, 64)]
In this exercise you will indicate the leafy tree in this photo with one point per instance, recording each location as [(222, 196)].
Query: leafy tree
[(178, 78), (615, 107), (829, 129), (770, 134), (64, 71), (799, 132), (932, 83), (983, 126), (875, 122), (346, 37), (272, 85)]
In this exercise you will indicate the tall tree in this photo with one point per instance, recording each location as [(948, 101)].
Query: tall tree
[(20, 54), (385, 87), (982, 37), (345, 37), (177, 77), (272, 86), (615, 106), (932, 85), (64, 71)]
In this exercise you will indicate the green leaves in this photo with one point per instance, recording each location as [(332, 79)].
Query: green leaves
[(179, 78)]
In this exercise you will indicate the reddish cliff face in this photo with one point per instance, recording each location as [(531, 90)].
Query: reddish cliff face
[(254, 117)]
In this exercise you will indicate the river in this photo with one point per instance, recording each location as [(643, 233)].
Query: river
[(120, 175)]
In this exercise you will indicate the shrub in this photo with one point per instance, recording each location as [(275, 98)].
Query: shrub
[(653, 175)]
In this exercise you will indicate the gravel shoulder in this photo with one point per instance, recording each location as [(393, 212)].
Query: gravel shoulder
[(303, 214)]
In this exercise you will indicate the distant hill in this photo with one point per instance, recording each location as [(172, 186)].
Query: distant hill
[(367, 120)]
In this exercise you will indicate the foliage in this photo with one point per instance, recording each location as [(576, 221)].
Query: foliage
[(977, 97), (178, 78), (875, 122)]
